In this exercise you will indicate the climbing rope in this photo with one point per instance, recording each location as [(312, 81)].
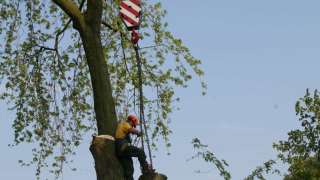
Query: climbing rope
[(130, 13), (143, 125)]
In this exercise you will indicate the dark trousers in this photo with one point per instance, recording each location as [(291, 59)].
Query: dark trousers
[(125, 156)]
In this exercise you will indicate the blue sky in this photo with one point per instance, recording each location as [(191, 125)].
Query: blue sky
[(259, 57)]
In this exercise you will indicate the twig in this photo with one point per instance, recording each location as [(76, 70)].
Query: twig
[(109, 26), (45, 48), (154, 46)]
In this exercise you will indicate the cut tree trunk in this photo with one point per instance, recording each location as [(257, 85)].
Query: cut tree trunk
[(106, 163), (153, 176)]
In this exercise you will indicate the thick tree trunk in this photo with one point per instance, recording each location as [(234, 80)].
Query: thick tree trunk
[(106, 164), (103, 151), (153, 176)]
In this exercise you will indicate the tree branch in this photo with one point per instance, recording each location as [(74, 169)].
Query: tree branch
[(69, 7), (154, 46), (108, 26), (45, 48), (57, 41)]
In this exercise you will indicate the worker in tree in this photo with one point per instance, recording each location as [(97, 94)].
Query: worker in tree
[(126, 151)]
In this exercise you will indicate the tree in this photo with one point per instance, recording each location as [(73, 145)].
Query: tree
[(69, 68), (302, 148), (301, 151), (304, 169)]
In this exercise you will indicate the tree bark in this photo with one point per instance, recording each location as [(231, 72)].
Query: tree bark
[(106, 163), (153, 176), (103, 151)]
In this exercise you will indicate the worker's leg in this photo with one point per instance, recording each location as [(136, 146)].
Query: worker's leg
[(133, 151), (127, 165)]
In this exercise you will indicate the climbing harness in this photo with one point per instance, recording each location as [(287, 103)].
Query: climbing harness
[(130, 13)]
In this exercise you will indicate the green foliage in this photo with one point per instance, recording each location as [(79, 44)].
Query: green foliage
[(43, 67), (302, 147), (303, 143), (301, 151), (207, 155), (308, 169), (260, 171)]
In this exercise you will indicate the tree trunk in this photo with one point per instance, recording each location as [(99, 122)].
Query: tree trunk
[(106, 163), (103, 151), (153, 176)]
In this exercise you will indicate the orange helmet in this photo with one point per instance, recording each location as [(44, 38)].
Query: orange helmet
[(134, 120)]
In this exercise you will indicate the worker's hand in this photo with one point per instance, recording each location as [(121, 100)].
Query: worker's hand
[(139, 134)]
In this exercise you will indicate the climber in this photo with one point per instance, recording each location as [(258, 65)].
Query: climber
[(126, 151)]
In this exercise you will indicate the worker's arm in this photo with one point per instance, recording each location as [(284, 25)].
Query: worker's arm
[(135, 131)]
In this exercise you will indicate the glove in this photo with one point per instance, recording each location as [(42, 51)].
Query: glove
[(139, 134)]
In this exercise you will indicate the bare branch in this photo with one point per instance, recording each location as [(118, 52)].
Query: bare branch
[(124, 53), (45, 48), (122, 36), (60, 33), (81, 4), (108, 26), (154, 46)]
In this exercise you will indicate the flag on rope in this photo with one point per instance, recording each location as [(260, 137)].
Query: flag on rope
[(130, 12)]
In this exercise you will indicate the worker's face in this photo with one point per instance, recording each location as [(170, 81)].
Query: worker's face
[(130, 122)]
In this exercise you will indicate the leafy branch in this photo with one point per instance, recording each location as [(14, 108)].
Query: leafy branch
[(266, 168), (204, 153)]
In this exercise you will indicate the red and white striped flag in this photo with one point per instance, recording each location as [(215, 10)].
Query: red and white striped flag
[(130, 11)]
